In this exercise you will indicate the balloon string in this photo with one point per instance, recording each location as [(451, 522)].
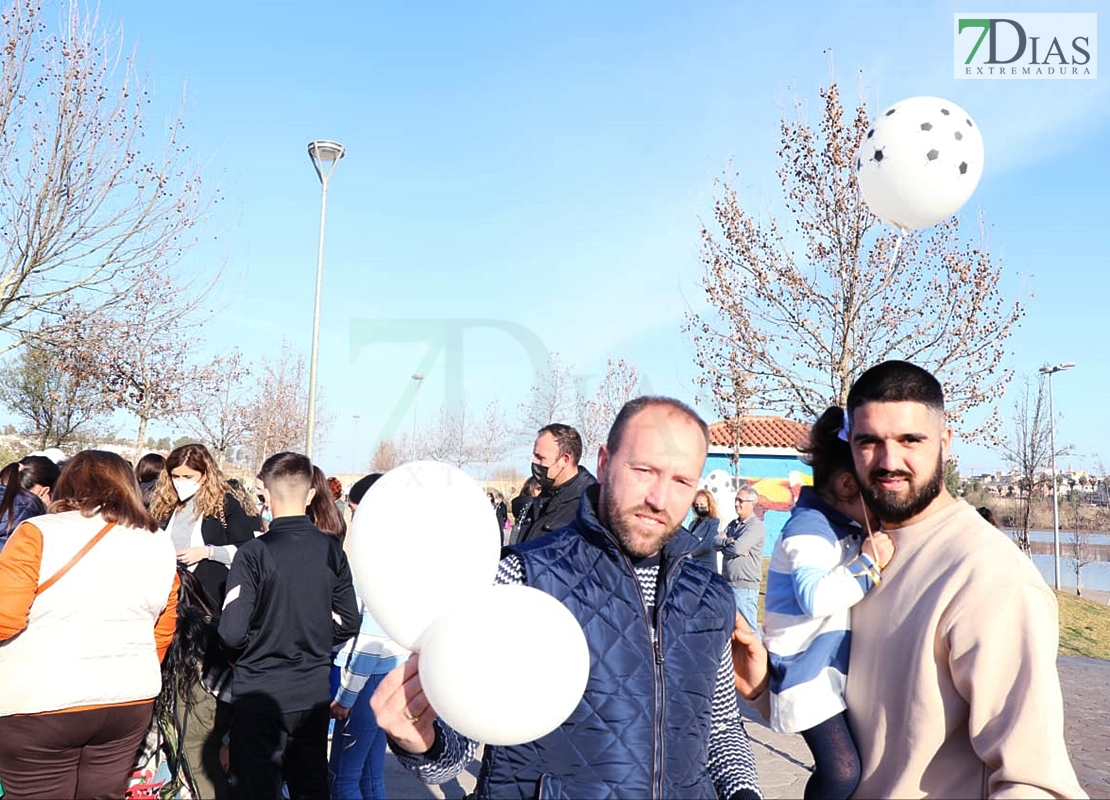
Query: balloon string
[(867, 523), (897, 248), (890, 274)]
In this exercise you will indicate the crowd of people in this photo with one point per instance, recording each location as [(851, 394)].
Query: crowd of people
[(904, 637), (165, 629)]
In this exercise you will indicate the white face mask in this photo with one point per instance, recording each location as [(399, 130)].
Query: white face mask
[(186, 488)]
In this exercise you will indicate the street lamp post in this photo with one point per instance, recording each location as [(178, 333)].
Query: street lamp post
[(1050, 371), (354, 443), (418, 378), (322, 152)]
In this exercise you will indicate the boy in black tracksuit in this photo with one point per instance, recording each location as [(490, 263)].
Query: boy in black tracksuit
[(289, 601)]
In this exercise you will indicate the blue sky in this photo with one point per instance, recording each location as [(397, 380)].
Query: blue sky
[(549, 165)]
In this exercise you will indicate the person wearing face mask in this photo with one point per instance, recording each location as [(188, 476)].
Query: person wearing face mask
[(198, 508), (704, 527), (265, 515), (562, 480)]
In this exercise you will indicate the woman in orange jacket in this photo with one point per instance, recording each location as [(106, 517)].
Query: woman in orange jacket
[(88, 597)]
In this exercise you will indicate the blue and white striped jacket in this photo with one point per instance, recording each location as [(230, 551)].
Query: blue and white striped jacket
[(372, 652), (810, 592)]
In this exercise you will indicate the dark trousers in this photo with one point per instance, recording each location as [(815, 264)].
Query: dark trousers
[(85, 754), (266, 748)]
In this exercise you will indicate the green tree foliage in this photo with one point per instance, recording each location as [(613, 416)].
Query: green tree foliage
[(57, 406), (952, 477)]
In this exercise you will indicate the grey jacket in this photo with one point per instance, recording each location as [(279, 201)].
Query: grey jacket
[(741, 544)]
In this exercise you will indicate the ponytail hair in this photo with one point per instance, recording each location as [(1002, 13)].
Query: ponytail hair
[(827, 451), (322, 510), (11, 480)]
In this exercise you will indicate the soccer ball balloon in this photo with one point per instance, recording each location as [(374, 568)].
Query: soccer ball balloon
[(920, 162)]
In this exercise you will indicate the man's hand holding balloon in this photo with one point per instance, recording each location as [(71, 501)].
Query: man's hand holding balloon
[(402, 710)]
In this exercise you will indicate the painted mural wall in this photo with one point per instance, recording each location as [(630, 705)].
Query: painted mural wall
[(778, 480)]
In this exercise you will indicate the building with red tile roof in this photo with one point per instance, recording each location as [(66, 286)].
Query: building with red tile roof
[(759, 434), (767, 460)]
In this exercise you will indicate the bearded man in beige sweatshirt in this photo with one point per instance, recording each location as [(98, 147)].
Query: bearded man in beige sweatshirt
[(952, 683)]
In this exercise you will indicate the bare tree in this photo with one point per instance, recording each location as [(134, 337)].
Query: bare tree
[(1028, 449), (91, 200), (460, 438), (730, 393), (1083, 550), (279, 407), (139, 349), (387, 455), (620, 384), (216, 406), (553, 397), (796, 328), (58, 406), (445, 440), (490, 438)]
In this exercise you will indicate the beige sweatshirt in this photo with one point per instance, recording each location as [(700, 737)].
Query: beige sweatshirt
[(952, 687)]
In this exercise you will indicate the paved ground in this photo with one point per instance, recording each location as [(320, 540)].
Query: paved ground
[(1086, 685), (784, 760)]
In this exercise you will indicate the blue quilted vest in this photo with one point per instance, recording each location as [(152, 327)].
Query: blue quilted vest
[(642, 727)]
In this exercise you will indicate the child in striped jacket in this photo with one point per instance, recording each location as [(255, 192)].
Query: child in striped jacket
[(823, 564), (357, 761)]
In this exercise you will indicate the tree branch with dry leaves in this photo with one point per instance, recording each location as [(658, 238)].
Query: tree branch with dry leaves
[(798, 308), (139, 351), (91, 201)]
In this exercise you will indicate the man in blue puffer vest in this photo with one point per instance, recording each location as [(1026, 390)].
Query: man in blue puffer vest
[(659, 716)]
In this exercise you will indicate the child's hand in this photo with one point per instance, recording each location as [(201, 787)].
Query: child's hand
[(749, 660), (883, 544)]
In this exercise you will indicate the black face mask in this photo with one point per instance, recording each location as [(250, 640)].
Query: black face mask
[(701, 511), (539, 472)]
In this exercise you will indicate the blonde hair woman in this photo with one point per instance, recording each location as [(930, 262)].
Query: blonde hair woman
[(206, 522), (704, 526)]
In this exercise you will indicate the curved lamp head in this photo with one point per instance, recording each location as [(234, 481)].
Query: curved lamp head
[(327, 152), (1048, 369)]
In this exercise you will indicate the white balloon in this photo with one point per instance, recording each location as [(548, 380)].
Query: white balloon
[(920, 162), (422, 540), (508, 668)]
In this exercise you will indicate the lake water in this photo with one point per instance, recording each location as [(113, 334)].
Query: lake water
[(1093, 576), (1069, 536)]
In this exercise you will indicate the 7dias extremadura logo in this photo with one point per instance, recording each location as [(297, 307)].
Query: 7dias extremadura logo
[(1014, 46)]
